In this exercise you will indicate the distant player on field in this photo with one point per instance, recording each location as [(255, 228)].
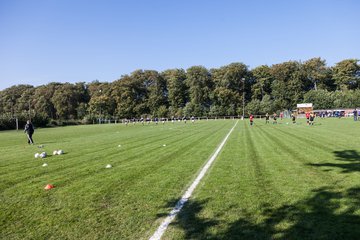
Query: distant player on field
[(355, 112), (267, 117), (307, 115), (293, 118), (251, 119), (274, 118), (311, 119)]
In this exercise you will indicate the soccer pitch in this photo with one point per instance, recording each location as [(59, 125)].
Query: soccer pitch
[(279, 181)]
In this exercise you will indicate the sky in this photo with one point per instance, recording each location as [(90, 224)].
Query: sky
[(44, 41)]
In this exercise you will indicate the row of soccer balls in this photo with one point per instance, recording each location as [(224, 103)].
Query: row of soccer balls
[(43, 154)]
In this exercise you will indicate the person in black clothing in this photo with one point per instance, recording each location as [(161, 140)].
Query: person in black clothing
[(274, 118), (355, 115), (29, 130), (312, 117)]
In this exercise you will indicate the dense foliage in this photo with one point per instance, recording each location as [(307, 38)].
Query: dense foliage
[(196, 91)]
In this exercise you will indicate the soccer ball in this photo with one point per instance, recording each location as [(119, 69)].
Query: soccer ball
[(43, 155), (37, 155), (59, 152), (55, 152), (45, 165), (108, 166)]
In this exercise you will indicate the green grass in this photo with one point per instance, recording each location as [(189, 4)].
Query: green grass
[(269, 182), (89, 201), (279, 182)]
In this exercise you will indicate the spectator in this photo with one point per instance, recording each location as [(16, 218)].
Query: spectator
[(355, 114)]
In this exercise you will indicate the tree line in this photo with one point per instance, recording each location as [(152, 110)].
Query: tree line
[(196, 91)]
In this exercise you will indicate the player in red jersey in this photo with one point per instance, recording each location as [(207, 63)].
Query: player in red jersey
[(307, 115), (251, 119)]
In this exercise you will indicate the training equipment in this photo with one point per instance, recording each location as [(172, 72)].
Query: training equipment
[(43, 155), (55, 152), (164, 145), (45, 165), (59, 152), (37, 155), (49, 186), (108, 166), (119, 145)]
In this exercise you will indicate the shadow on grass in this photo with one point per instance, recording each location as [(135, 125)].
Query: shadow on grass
[(319, 217), (327, 214), (350, 161), (190, 220)]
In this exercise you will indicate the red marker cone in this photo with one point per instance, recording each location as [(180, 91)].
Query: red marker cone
[(48, 187)]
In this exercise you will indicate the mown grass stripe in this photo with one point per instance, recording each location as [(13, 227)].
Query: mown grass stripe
[(179, 205)]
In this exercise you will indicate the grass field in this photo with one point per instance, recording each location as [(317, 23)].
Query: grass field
[(269, 182)]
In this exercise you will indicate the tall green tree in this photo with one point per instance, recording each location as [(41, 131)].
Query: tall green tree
[(262, 82), (347, 74), (321, 99), (317, 74), (229, 87), (124, 93), (65, 101), (178, 94), (15, 99), (131, 95), (288, 86), (157, 93), (42, 100), (24, 103), (199, 82), (101, 103)]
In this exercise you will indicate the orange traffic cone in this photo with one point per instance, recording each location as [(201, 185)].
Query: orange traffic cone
[(48, 187)]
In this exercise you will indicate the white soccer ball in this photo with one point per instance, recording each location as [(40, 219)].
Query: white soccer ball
[(45, 165), (43, 155), (164, 145), (59, 152), (55, 152), (108, 166), (37, 155)]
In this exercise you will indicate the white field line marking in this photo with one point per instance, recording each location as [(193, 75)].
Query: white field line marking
[(179, 205)]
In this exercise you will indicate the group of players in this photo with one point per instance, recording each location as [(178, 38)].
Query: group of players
[(156, 120), (310, 117)]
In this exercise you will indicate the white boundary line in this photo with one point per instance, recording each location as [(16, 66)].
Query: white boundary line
[(179, 205)]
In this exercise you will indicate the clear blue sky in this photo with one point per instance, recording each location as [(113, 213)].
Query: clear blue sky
[(82, 40)]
